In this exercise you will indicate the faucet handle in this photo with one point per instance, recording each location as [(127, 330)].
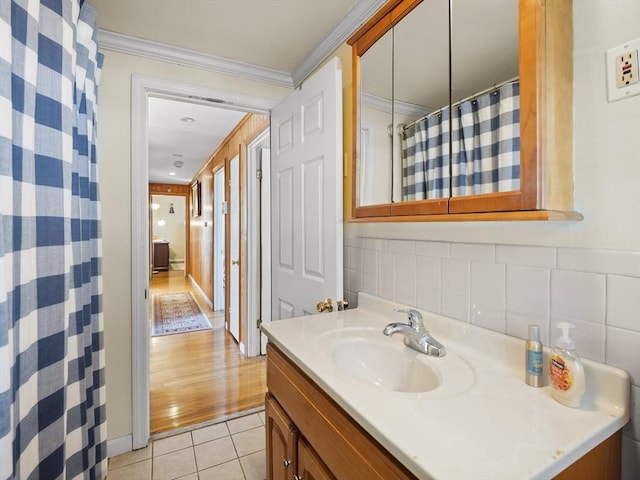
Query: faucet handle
[(415, 317)]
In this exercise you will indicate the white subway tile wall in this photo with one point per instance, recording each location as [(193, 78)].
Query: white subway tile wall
[(507, 287), (623, 302), (528, 300), (488, 295), (455, 288)]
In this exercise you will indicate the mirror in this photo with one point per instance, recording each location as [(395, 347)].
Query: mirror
[(404, 95), (374, 172), (421, 89), (477, 66)]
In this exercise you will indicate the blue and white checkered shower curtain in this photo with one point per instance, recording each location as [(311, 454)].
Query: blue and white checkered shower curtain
[(425, 158), (52, 398), (485, 148)]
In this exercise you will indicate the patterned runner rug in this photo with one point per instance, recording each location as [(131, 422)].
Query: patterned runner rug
[(177, 313)]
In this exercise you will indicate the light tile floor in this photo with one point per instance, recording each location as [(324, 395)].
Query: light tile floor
[(233, 450)]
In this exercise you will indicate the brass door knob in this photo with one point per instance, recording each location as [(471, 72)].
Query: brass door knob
[(325, 306)]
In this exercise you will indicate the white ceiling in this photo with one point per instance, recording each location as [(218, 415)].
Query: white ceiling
[(171, 139), (276, 34)]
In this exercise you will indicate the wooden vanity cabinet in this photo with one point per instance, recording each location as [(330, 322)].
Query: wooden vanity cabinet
[(330, 444), (310, 466), (282, 442), (288, 454), (310, 437)]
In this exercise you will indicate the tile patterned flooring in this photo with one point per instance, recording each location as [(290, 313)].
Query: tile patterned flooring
[(232, 450)]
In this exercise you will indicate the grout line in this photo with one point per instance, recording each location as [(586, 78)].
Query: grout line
[(208, 423)]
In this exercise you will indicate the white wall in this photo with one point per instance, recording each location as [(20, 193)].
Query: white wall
[(588, 271), (114, 153)]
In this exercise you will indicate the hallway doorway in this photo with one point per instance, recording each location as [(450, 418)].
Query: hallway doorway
[(143, 89)]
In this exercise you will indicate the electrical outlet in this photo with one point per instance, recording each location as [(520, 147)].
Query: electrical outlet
[(627, 69), (623, 80)]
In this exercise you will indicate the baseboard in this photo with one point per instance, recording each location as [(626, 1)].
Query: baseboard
[(243, 349), (118, 446), (201, 292)]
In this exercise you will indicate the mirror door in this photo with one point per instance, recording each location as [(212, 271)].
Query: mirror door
[(434, 72), (485, 97), (421, 121)]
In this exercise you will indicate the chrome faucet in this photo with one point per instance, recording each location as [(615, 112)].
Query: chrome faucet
[(415, 335)]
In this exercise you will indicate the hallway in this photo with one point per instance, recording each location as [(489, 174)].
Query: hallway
[(201, 376)]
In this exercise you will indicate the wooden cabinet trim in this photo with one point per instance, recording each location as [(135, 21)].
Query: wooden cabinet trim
[(546, 121), (533, 215)]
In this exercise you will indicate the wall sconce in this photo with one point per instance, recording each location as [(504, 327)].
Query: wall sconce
[(171, 210)]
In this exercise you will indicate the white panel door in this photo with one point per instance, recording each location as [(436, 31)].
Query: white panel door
[(234, 247), (306, 200)]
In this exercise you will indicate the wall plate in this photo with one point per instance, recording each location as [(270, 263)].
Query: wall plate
[(617, 89)]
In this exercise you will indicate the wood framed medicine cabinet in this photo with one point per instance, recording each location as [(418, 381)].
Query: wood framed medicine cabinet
[(545, 73)]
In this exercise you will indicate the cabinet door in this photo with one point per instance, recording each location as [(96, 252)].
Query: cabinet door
[(281, 439), (310, 467)]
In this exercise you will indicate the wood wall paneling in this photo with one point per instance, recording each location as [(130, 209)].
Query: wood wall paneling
[(201, 236)]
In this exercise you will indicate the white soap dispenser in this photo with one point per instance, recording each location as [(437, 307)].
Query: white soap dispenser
[(566, 374)]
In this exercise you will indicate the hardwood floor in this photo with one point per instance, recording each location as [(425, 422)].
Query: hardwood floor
[(199, 376)]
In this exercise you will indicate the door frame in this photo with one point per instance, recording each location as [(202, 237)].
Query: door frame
[(142, 87), (258, 234)]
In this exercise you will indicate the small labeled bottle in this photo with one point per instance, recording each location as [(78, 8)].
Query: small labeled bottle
[(566, 374), (533, 375)]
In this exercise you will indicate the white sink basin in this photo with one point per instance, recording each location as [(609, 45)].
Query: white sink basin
[(382, 365), (365, 355)]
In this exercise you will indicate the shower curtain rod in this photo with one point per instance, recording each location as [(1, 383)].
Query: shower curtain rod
[(493, 88)]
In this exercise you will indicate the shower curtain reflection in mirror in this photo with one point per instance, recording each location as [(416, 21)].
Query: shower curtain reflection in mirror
[(483, 146)]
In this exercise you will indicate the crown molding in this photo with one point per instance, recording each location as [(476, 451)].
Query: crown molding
[(168, 53), (357, 15), (384, 105)]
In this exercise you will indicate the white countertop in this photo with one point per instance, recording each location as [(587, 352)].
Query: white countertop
[(483, 423)]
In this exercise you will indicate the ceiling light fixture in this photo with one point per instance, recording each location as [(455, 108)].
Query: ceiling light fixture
[(155, 206), (188, 119), (173, 174), (178, 163)]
